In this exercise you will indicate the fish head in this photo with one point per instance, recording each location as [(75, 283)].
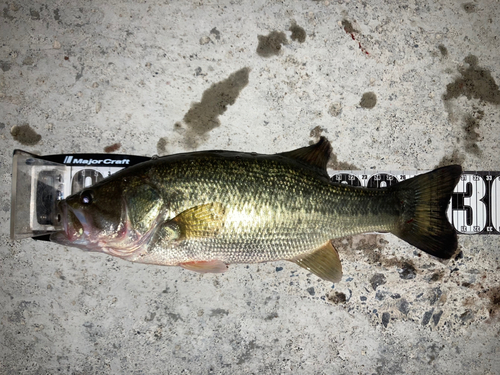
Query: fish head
[(113, 216)]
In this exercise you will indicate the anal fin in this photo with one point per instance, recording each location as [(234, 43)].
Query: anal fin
[(323, 262), (210, 266)]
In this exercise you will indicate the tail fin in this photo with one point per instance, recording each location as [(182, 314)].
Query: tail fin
[(423, 222)]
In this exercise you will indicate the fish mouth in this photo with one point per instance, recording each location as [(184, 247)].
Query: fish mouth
[(73, 226), (78, 230)]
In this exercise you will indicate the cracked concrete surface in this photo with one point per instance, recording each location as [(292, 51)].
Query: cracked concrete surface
[(392, 86)]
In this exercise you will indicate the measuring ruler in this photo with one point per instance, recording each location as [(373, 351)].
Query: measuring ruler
[(474, 207)]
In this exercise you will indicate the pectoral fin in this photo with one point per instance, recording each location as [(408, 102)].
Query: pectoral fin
[(197, 222), (213, 266), (201, 221), (323, 262)]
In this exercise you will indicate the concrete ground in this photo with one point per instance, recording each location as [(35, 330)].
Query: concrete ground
[(391, 86)]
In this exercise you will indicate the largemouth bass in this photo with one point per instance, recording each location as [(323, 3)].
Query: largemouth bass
[(205, 210)]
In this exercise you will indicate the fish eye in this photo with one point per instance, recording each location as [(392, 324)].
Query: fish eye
[(86, 197)]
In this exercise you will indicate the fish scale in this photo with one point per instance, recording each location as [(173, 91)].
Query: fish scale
[(275, 210)]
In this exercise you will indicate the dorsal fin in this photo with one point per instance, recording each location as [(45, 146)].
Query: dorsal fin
[(316, 155)]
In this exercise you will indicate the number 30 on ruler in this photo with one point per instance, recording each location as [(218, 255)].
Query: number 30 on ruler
[(474, 206)]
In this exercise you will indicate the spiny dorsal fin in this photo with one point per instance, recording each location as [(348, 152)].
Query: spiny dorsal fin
[(323, 262), (316, 155)]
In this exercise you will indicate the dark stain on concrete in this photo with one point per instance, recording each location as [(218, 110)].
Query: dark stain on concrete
[(494, 307), (443, 50), (112, 148), (337, 165), (219, 312), (386, 364), (315, 134), (59, 275), (202, 117), (247, 354), (5, 65), (57, 15), (369, 244), (161, 146), (298, 33), (469, 7), (455, 158), (25, 135), (271, 316), (150, 317), (6, 15), (28, 60), (407, 267), (35, 15), (348, 28), (270, 45), (17, 316), (470, 131), (436, 276), (433, 352), (215, 33), (335, 109), (311, 291), (158, 333), (175, 317), (80, 73), (333, 163), (474, 82), (368, 100)]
